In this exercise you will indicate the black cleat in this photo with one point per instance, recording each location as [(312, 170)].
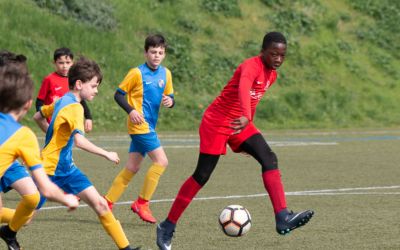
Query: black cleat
[(287, 221), (11, 242), (165, 231)]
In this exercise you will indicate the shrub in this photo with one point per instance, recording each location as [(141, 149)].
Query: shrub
[(96, 13), (228, 8)]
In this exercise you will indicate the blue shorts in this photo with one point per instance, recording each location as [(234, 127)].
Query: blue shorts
[(14, 173), (144, 143), (73, 183)]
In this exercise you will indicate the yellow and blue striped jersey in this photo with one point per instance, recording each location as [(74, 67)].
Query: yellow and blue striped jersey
[(144, 88), (17, 141), (66, 120)]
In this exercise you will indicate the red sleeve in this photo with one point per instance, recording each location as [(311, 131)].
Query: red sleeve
[(44, 88), (248, 75)]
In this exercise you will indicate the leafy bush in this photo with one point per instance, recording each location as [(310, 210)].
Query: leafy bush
[(288, 20), (180, 57), (386, 30), (271, 3), (228, 8), (97, 13), (188, 25)]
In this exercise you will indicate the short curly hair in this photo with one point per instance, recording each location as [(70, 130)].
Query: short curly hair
[(273, 37)]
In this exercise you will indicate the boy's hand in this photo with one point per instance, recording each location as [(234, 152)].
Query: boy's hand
[(167, 101), (112, 156), (136, 117), (88, 125), (239, 124), (71, 202)]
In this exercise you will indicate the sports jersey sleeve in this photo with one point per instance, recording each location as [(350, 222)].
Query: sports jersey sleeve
[(247, 77), (75, 119), (44, 89), (169, 90), (29, 150), (130, 81), (47, 110)]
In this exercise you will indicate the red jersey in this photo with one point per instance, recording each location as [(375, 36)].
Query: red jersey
[(241, 95), (53, 87)]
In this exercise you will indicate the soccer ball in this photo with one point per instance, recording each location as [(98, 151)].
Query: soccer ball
[(235, 220)]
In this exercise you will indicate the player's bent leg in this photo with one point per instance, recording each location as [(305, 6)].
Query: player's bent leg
[(6, 214), (287, 221), (122, 180), (118, 186), (141, 205), (107, 219), (24, 211), (26, 207)]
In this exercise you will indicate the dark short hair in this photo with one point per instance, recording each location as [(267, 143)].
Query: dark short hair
[(156, 40), (16, 87), (63, 52), (84, 69), (10, 58), (273, 37)]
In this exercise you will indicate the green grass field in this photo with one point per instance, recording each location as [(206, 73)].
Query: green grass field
[(350, 178)]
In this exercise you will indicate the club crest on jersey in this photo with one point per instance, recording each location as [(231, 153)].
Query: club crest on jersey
[(161, 83)]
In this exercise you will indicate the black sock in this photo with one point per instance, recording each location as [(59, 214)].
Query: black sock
[(8, 232)]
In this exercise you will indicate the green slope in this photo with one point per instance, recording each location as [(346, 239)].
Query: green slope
[(341, 69)]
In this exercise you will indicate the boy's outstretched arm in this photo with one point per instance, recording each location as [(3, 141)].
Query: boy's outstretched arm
[(41, 121), (83, 143), (52, 191)]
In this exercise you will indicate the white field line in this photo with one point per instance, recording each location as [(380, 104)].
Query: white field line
[(275, 144), (322, 192), (286, 133)]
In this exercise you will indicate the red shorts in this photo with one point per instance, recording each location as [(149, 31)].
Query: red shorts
[(214, 142)]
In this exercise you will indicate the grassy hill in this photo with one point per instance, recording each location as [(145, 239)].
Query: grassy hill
[(342, 67)]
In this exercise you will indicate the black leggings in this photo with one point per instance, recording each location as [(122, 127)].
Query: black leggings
[(255, 146)]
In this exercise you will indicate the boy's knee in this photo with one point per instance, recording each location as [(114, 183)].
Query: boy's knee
[(201, 177), (271, 162), (102, 206), (162, 163), (31, 200)]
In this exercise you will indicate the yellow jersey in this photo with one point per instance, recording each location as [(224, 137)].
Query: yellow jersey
[(17, 141), (66, 120)]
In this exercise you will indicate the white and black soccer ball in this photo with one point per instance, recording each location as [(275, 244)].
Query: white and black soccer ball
[(235, 220)]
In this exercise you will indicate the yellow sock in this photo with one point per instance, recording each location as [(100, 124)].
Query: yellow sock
[(114, 229), (119, 185), (6, 215), (151, 181), (24, 211)]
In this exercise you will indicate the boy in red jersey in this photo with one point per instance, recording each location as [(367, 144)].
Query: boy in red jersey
[(55, 85), (229, 120)]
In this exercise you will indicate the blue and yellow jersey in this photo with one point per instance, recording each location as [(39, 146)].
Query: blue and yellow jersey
[(144, 88), (67, 120), (17, 141)]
